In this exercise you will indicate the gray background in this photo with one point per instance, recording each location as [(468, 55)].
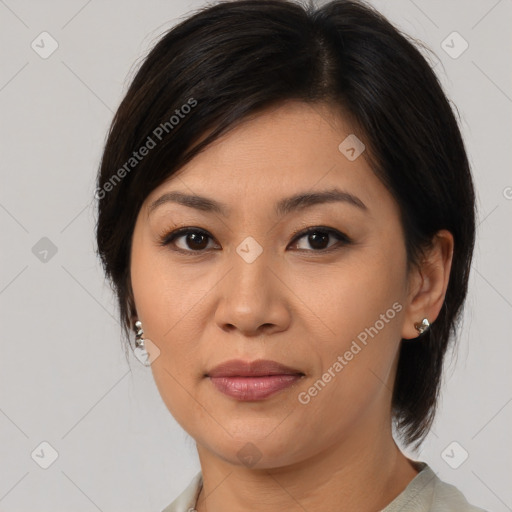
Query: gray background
[(63, 376)]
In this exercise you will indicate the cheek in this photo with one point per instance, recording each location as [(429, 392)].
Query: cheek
[(167, 296), (364, 288), (168, 303), (160, 301), (361, 302)]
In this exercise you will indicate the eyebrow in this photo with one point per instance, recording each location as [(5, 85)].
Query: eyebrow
[(282, 207)]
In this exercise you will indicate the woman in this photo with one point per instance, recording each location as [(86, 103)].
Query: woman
[(287, 215)]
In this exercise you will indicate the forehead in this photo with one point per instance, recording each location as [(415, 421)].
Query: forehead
[(291, 148)]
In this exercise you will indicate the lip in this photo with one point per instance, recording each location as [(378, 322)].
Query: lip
[(258, 368), (252, 380)]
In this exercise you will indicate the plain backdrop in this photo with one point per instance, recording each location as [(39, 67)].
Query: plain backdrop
[(68, 398)]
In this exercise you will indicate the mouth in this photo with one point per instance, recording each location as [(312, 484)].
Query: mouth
[(252, 381)]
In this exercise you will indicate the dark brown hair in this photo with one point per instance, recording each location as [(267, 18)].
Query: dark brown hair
[(232, 59)]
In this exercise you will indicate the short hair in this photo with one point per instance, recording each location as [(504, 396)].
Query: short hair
[(233, 59)]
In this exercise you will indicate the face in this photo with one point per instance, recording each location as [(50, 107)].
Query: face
[(320, 287)]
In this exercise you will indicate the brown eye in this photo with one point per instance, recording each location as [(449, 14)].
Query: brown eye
[(318, 238), (194, 240)]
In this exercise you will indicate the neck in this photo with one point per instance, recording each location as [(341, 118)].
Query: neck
[(365, 473)]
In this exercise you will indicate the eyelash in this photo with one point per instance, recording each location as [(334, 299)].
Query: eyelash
[(169, 237)]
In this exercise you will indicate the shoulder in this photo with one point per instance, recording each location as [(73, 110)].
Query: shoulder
[(428, 493), (186, 501), (447, 497)]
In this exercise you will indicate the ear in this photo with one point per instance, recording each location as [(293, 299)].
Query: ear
[(428, 282)]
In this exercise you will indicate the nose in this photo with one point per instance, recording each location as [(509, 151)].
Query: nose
[(252, 299)]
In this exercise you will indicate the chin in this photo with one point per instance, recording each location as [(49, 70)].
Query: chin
[(261, 451)]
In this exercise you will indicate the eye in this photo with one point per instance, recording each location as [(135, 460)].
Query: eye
[(196, 239), (318, 237)]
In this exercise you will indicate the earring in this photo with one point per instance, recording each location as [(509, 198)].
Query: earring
[(140, 348), (422, 326)]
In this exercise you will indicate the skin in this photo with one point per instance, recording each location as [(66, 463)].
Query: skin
[(298, 303)]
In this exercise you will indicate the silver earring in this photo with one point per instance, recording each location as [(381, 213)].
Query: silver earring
[(422, 326), (140, 348)]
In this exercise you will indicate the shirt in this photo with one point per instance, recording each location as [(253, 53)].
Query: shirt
[(426, 492)]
